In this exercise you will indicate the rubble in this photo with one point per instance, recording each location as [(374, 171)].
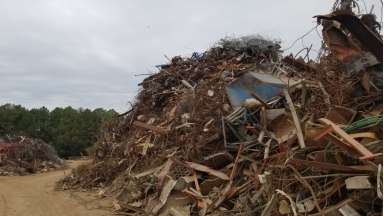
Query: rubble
[(241, 130), (23, 155)]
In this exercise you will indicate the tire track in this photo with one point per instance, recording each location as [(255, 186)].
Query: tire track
[(3, 205), (34, 195)]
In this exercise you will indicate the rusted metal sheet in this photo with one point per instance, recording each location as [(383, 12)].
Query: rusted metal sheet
[(369, 39), (341, 115), (343, 48)]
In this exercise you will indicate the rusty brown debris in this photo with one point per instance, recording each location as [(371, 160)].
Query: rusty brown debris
[(242, 130)]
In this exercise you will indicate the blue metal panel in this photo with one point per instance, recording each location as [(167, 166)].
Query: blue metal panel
[(265, 86)]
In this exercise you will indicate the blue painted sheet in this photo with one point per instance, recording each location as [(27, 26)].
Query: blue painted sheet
[(265, 86)]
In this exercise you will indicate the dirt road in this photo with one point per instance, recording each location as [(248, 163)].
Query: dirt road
[(34, 195)]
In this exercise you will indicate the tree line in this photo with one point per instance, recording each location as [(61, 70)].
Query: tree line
[(70, 131)]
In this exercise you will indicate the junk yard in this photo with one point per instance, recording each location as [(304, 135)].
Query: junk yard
[(243, 128)]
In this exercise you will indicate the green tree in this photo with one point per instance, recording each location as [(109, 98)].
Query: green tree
[(70, 131)]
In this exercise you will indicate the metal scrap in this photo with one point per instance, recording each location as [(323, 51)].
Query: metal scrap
[(239, 130)]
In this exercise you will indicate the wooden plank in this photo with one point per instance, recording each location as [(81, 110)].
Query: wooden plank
[(370, 135), (296, 120), (346, 137)]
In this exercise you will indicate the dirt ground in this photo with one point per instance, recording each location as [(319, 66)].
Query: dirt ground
[(34, 195)]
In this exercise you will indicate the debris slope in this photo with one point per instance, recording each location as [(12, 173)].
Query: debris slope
[(242, 130), (22, 155)]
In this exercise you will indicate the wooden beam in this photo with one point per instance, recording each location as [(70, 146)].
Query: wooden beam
[(296, 120), (366, 154)]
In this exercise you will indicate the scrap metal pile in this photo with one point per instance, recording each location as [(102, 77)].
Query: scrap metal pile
[(22, 156), (239, 130)]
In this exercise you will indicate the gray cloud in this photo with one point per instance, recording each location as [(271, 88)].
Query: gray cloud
[(84, 53)]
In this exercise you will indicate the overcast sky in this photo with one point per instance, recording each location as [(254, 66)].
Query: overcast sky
[(85, 53)]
